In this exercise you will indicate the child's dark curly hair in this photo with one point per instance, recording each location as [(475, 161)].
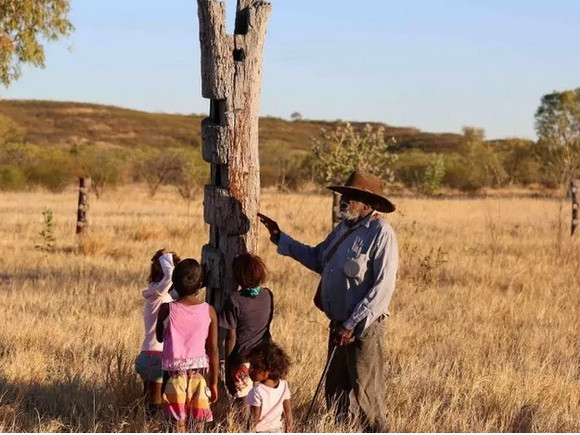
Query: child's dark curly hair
[(187, 277), (272, 358)]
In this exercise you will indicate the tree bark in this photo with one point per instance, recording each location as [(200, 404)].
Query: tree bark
[(231, 70), (83, 206)]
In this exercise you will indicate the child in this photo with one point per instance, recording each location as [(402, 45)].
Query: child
[(270, 396), (247, 315), (148, 362), (188, 329)]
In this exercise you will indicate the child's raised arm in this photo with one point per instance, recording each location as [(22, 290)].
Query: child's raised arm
[(163, 286), (288, 420), (163, 314), (211, 348)]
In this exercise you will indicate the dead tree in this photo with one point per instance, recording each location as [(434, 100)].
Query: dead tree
[(83, 207), (231, 72)]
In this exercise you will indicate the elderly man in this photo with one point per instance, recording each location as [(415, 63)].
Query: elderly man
[(358, 266)]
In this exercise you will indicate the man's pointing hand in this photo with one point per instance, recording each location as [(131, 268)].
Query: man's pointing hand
[(271, 226)]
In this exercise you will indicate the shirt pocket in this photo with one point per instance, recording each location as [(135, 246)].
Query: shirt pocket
[(356, 266)]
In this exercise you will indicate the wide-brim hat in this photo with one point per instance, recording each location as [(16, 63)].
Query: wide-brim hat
[(367, 188)]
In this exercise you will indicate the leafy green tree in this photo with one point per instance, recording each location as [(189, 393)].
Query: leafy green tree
[(421, 171), (477, 165), (520, 161), (558, 129), (296, 116), (24, 25), (159, 167), (179, 167), (105, 167), (190, 173), (339, 152), (52, 169), (433, 175)]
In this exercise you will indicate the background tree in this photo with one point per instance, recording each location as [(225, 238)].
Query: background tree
[(477, 165), (432, 176), (160, 167), (520, 161), (24, 24), (339, 152), (558, 129), (104, 167), (191, 175), (296, 116)]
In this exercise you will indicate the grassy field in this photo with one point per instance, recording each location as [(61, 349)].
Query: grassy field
[(483, 334)]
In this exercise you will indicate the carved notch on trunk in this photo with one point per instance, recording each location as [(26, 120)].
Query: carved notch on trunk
[(217, 112)]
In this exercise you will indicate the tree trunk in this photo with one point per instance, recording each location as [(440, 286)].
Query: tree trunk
[(574, 187), (231, 70), (83, 207)]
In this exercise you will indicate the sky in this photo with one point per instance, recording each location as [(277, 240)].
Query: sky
[(436, 65)]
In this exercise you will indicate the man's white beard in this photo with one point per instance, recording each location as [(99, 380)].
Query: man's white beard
[(348, 215)]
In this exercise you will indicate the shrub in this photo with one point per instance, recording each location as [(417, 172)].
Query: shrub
[(10, 132), (11, 178), (433, 175), (54, 178), (190, 175), (107, 168), (410, 166), (459, 174), (47, 232), (338, 152)]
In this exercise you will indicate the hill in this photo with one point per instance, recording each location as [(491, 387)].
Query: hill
[(54, 123), (426, 160)]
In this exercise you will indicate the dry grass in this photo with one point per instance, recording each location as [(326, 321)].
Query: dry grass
[(483, 337)]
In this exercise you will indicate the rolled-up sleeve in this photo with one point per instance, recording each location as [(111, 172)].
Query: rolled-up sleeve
[(309, 256), (384, 269)]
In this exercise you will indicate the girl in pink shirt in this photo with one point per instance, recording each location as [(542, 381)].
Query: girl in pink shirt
[(148, 362), (188, 329)]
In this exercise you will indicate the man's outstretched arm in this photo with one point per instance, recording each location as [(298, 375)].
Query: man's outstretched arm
[(309, 256)]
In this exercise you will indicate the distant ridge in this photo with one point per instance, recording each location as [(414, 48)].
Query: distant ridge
[(62, 124)]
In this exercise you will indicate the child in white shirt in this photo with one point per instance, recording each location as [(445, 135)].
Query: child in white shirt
[(148, 362), (269, 398)]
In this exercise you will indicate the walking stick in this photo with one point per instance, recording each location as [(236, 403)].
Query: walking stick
[(328, 361)]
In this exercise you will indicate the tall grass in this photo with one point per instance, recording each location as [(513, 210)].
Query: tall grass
[(483, 334)]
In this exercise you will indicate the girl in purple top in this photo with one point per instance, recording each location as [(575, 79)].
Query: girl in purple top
[(188, 329), (247, 315)]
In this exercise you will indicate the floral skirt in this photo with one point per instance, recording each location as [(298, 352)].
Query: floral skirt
[(186, 397)]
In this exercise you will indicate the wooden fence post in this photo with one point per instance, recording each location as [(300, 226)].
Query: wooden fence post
[(574, 187), (335, 208), (83, 207), (231, 72)]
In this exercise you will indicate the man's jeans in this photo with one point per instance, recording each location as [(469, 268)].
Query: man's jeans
[(355, 381)]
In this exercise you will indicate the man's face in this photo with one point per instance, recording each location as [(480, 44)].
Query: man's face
[(351, 209)]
